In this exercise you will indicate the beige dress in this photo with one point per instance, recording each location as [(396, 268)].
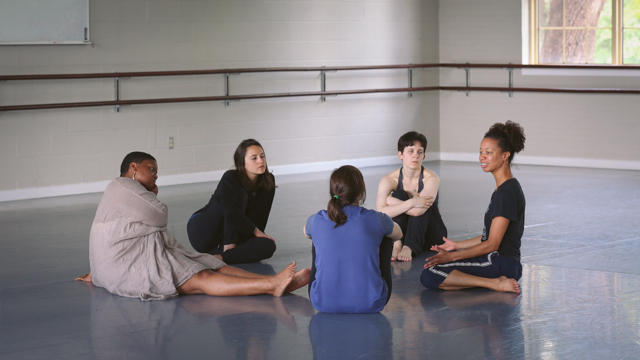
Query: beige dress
[(131, 252)]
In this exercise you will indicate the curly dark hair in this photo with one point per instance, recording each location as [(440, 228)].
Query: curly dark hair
[(510, 137)]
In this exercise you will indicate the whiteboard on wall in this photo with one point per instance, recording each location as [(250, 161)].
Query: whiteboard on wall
[(28, 22)]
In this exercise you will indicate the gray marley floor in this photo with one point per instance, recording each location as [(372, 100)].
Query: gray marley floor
[(580, 289)]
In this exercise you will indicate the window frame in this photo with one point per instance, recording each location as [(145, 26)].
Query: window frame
[(616, 34)]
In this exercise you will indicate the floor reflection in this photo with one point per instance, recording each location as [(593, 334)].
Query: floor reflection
[(129, 328), (495, 316), (350, 336), (467, 324)]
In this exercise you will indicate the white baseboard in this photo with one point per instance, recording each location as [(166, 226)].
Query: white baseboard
[(99, 186), (178, 179), (51, 191), (552, 161)]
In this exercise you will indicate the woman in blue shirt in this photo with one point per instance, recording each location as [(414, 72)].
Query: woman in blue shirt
[(351, 268)]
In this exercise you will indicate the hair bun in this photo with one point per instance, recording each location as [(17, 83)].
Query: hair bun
[(515, 134), (510, 137)]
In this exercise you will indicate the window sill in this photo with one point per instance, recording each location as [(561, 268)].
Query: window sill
[(622, 72)]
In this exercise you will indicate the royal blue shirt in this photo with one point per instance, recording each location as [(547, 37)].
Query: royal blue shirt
[(348, 278)]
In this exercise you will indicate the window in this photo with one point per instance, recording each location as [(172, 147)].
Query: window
[(585, 31)]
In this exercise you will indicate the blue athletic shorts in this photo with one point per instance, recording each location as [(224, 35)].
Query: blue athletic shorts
[(491, 265)]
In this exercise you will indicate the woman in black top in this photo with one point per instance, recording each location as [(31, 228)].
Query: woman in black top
[(231, 226), (491, 260)]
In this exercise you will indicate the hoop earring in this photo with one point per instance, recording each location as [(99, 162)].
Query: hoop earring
[(134, 174)]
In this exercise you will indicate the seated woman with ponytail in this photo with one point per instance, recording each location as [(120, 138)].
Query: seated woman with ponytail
[(351, 252), (491, 260)]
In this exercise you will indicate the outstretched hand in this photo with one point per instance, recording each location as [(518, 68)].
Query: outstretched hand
[(442, 257), (449, 245)]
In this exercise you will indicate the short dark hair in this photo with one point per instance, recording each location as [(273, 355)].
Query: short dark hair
[(136, 157), (510, 137), (411, 138)]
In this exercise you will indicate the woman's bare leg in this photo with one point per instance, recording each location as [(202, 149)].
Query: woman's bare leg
[(221, 284), (458, 280), (300, 279)]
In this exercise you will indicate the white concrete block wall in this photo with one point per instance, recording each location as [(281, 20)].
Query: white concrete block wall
[(562, 129), (85, 146)]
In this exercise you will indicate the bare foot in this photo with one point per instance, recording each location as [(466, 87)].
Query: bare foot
[(508, 285), (300, 279), (397, 246), (85, 277), (228, 247), (283, 279), (405, 254)]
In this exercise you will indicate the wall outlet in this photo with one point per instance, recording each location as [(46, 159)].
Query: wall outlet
[(170, 142)]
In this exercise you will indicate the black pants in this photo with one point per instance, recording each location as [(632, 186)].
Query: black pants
[(209, 232), (421, 232), (386, 249)]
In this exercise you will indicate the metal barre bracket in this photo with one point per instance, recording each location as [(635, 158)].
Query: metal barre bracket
[(468, 77), (323, 83), (510, 81), (117, 93), (410, 75), (226, 86), (116, 84)]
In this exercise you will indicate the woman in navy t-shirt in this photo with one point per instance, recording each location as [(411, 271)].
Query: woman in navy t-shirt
[(351, 268), (491, 260)]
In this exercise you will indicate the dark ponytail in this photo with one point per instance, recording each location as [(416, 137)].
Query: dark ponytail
[(510, 137), (346, 187)]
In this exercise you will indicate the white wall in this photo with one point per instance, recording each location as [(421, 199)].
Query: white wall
[(52, 148), (561, 129)]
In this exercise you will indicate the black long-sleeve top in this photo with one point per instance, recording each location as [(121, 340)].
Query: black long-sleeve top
[(244, 210)]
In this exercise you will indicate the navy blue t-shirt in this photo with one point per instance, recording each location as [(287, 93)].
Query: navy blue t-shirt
[(507, 201), (348, 278)]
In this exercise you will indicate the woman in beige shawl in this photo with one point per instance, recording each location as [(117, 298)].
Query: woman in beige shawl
[(132, 254)]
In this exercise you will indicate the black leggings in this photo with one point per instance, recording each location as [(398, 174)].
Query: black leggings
[(207, 235), (421, 232), (386, 249)]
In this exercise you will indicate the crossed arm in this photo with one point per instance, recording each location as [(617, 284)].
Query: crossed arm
[(415, 206)]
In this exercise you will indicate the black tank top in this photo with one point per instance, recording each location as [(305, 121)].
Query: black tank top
[(420, 184)]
